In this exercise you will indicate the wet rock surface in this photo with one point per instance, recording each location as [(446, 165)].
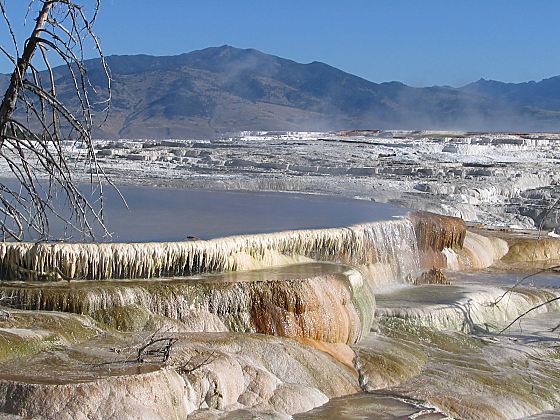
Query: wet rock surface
[(207, 371), (476, 373), (326, 302), (335, 326)]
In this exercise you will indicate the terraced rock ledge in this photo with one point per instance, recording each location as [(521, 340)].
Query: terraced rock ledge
[(274, 325)]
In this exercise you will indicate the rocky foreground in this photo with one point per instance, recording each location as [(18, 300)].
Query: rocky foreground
[(497, 179), (271, 325)]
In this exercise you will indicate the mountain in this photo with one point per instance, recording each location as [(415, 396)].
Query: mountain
[(222, 89)]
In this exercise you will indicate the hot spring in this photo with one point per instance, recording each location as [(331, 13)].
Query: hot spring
[(278, 305)]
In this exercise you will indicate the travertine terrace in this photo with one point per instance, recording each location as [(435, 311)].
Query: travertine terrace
[(499, 179), (276, 324)]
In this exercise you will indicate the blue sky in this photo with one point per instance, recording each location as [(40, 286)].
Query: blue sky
[(421, 42)]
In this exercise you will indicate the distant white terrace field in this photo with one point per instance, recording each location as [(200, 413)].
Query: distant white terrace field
[(499, 179)]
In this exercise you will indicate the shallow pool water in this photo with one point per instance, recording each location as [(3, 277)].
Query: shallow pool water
[(167, 214), (535, 277), (170, 214)]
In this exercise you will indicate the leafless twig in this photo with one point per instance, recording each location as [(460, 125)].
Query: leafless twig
[(548, 302), (190, 365), (520, 281), (155, 348), (38, 127)]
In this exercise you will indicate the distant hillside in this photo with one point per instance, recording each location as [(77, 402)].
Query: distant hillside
[(224, 89)]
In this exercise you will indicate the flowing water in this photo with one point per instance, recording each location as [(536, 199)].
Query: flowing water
[(373, 406)]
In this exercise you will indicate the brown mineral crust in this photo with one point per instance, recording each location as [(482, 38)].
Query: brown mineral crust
[(433, 276), (436, 232), (533, 250), (299, 309)]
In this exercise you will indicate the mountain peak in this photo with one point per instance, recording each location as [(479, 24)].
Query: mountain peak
[(227, 50), (483, 81), (224, 88)]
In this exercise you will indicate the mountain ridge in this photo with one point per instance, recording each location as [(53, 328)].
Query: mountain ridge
[(223, 89)]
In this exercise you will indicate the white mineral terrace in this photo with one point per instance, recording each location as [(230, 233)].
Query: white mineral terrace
[(499, 179), (344, 320), (392, 243)]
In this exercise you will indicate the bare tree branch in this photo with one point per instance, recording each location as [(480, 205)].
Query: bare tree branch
[(528, 311), (10, 98), (521, 280), (37, 127)]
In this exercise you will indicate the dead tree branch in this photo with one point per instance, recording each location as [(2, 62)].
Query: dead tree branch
[(157, 349), (190, 365), (523, 279), (534, 308), (39, 129)]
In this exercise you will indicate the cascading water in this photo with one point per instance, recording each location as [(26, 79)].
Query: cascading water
[(391, 243)]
